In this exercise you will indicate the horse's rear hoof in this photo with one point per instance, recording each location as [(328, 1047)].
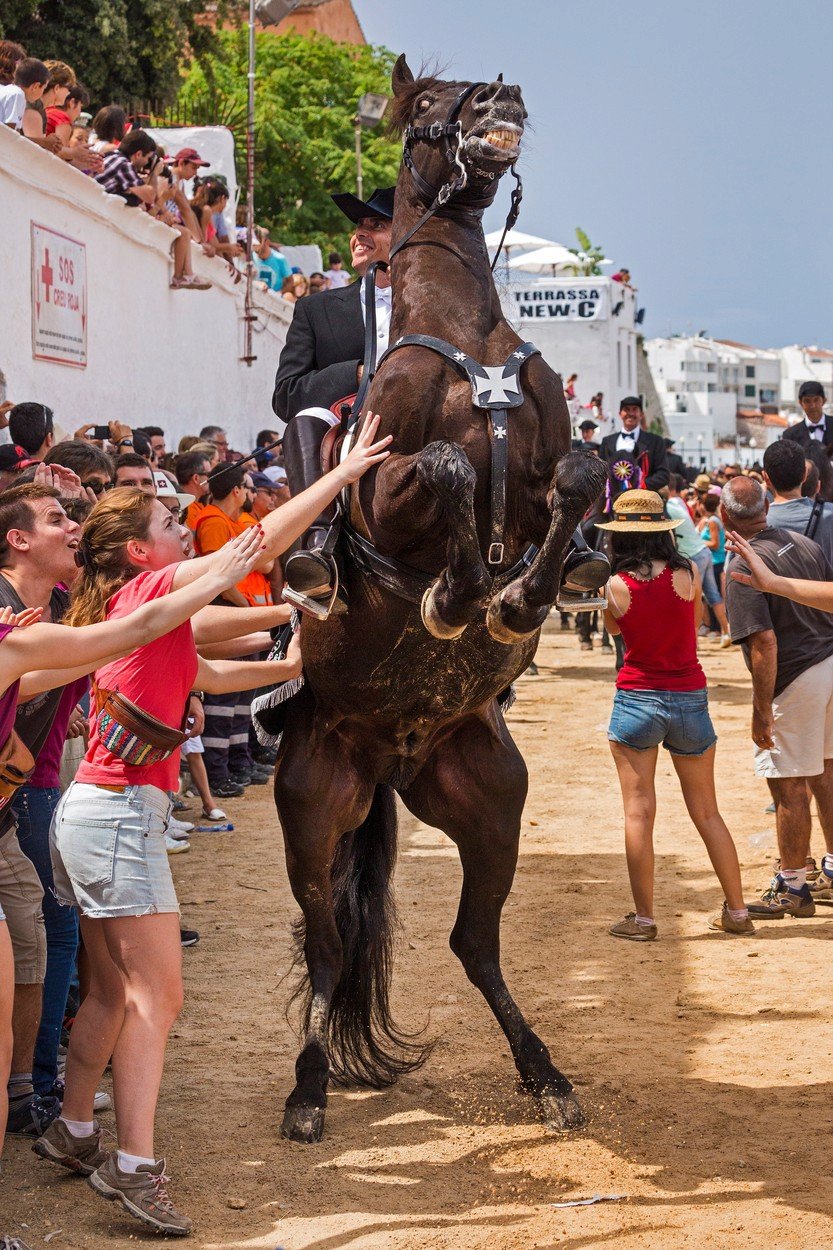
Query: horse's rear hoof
[(561, 1113), (303, 1124)]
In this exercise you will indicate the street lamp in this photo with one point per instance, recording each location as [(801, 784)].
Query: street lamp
[(268, 13), (370, 111)]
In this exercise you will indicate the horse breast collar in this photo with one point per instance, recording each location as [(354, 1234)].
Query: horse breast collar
[(496, 389)]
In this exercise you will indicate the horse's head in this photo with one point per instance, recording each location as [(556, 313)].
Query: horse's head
[(491, 122)]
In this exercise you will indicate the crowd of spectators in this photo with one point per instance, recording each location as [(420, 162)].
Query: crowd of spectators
[(44, 102), (189, 590)]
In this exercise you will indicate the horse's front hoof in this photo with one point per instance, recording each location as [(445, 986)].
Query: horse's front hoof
[(497, 626), (303, 1124), (434, 623), (561, 1113)]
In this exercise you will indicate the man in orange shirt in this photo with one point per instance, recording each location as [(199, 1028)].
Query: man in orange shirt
[(228, 760)]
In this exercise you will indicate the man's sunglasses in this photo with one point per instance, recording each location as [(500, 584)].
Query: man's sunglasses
[(98, 488)]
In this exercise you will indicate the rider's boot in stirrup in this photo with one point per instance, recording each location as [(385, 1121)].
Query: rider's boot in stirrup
[(310, 571), (583, 578)]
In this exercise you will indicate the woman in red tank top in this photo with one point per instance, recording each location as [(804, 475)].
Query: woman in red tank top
[(654, 603)]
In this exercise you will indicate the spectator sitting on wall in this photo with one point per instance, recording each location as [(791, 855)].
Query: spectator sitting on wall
[(122, 176), (33, 124), (294, 287), (209, 204), (336, 274), (30, 79), (61, 118), (318, 282), (10, 54), (32, 426), (93, 466), (133, 470), (36, 119), (109, 128), (623, 275), (224, 245), (272, 266)]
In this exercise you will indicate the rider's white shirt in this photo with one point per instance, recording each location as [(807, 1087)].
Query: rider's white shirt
[(383, 307)]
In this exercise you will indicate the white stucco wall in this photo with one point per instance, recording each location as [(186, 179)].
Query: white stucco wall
[(155, 356)]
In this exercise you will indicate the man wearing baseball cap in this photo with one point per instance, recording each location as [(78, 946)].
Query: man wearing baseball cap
[(320, 367), (816, 427)]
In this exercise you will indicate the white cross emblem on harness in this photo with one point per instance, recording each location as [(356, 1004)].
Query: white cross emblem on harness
[(459, 356), (497, 383), (500, 431)]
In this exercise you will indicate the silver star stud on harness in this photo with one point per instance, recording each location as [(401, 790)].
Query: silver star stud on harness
[(520, 354), (499, 386), (459, 355)]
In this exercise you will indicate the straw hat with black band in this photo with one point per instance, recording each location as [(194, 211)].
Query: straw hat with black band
[(639, 511)]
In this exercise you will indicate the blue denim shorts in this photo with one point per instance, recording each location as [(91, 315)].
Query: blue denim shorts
[(705, 563), (108, 852), (680, 720)]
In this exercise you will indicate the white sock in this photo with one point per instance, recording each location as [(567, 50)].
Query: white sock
[(132, 1163), (79, 1128), (645, 921), (794, 878)]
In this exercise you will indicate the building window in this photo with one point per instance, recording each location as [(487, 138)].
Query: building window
[(749, 392), (750, 371)]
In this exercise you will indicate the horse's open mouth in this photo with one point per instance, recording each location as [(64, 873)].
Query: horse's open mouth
[(501, 141)]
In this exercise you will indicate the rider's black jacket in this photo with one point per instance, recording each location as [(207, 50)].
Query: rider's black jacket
[(324, 347)]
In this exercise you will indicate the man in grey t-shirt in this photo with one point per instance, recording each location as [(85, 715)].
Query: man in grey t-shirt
[(788, 649), (785, 469)]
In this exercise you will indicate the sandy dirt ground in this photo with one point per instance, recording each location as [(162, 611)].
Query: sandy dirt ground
[(703, 1062)]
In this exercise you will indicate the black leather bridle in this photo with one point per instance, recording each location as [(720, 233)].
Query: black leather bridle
[(447, 197)]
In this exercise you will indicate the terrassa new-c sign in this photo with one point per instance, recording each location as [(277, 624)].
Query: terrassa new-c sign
[(557, 301), (59, 297)]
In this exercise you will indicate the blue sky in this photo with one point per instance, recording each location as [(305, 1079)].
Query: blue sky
[(691, 140)]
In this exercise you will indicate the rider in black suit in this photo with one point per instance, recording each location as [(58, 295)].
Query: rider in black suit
[(812, 399), (632, 442), (321, 364)]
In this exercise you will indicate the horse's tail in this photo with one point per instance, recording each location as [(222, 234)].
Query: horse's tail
[(365, 1045)]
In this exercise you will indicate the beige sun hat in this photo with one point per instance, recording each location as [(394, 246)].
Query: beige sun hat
[(638, 511)]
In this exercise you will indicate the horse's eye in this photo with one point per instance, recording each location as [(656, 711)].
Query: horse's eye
[(424, 104)]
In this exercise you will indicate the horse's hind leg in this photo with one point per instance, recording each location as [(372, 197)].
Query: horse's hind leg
[(319, 795), (474, 788), (522, 606), (459, 594)]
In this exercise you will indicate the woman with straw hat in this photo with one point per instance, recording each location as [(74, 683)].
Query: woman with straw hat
[(654, 602)]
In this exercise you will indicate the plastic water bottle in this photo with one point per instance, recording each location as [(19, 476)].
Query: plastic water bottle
[(228, 827), (762, 840)]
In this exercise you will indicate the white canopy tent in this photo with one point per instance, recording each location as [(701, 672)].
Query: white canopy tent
[(545, 260)]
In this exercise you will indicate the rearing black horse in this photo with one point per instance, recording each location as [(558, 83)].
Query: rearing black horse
[(401, 691)]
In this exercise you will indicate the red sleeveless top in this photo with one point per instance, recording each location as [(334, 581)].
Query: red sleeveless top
[(660, 637)]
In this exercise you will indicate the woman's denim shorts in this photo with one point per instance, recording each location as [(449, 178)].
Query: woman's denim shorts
[(678, 719), (108, 852)]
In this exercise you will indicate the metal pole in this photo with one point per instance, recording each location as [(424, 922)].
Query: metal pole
[(359, 178), (250, 189)]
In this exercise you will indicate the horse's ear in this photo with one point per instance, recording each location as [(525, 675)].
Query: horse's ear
[(401, 78)]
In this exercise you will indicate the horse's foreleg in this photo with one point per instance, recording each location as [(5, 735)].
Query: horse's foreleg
[(459, 594), (474, 789), (319, 795), (522, 606)]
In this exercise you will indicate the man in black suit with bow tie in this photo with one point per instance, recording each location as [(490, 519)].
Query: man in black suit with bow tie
[(815, 427), (633, 446), (320, 365)]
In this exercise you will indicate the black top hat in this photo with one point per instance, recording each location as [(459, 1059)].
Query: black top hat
[(588, 425), (380, 204)]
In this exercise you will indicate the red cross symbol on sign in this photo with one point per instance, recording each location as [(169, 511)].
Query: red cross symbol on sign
[(46, 273)]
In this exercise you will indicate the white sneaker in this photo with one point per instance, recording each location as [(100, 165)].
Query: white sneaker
[(176, 846), (102, 1101), (179, 828)]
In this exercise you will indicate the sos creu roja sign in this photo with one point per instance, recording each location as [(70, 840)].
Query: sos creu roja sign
[(565, 303)]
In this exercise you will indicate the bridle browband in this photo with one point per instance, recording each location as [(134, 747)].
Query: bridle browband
[(441, 199)]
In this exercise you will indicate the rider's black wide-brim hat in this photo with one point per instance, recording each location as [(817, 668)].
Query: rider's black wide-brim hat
[(380, 204)]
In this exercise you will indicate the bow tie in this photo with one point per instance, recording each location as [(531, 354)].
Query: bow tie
[(813, 428), (631, 434)]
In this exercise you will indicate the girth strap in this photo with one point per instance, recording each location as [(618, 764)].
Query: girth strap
[(495, 388)]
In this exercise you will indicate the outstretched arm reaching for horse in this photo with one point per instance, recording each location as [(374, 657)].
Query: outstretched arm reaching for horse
[(45, 656), (285, 524)]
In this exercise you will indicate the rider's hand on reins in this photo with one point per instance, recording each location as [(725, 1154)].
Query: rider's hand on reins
[(365, 452)]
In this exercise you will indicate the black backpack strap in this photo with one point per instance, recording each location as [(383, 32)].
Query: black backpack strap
[(815, 517)]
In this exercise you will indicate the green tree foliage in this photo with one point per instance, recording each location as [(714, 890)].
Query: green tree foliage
[(306, 92), (588, 256), (122, 50)]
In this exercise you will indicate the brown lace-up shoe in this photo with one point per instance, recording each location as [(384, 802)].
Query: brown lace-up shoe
[(144, 1193), (628, 928), (79, 1154), (726, 923)]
